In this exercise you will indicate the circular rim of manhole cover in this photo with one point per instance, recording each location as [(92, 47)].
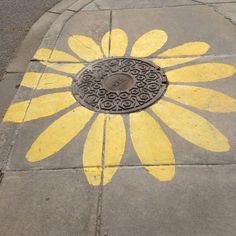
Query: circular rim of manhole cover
[(119, 85)]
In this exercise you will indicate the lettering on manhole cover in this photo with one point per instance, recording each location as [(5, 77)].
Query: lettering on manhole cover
[(119, 85)]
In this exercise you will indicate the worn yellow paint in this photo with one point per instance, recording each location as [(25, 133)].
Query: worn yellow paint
[(58, 134), (52, 81), (60, 56), (187, 49), (119, 43), (115, 140), (85, 47), (47, 81), (114, 145), (201, 72), (47, 54), (163, 173), (191, 126), (16, 112), (167, 62), (149, 43), (92, 156), (105, 43), (152, 145), (39, 107), (43, 54), (70, 68), (93, 175), (31, 79), (202, 98)]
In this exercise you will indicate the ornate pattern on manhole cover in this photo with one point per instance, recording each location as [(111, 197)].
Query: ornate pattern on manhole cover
[(119, 85)]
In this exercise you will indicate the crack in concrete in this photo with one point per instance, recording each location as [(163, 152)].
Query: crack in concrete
[(86, 46), (226, 17), (97, 5), (109, 45), (211, 5), (121, 166), (1, 176), (53, 12), (201, 57)]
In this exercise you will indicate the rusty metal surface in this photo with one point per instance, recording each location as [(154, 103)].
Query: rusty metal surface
[(119, 85)]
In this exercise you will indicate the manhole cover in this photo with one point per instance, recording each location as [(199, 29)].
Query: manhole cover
[(119, 85)]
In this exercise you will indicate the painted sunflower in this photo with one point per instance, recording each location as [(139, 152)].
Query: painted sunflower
[(108, 131)]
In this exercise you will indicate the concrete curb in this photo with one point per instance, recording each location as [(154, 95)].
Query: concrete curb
[(30, 43), (39, 31)]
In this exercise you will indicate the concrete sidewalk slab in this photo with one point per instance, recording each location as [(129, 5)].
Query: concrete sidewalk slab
[(199, 202), (211, 27), (47, 203)]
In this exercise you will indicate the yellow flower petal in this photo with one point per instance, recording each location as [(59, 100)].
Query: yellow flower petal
[(45, 81), (149, 43), (187, 49), (46, 54), (114, 148), (43, 54), (39, 107), (70, 68), (85, 47), (162, 173), (152, 145), (202, 98), (167, 62), (92, 156), (191, 126), (119, 43), (93, 175), (201, 73), (58, 134), (59, 56), (31, 79), (16, 112), (114, 145), (115, 140), (52, 81)]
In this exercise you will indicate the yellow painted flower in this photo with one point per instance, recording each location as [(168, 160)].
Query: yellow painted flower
[(108, 130)]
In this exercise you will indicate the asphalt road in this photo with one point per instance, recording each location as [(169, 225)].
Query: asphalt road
[(16, 18)]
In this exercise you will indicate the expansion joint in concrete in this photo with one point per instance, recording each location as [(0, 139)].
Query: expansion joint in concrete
[(1, 176)]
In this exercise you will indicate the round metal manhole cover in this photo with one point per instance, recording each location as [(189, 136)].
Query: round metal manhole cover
[(119, 85)]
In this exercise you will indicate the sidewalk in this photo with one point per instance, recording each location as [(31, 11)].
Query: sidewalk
[(124, 123)]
